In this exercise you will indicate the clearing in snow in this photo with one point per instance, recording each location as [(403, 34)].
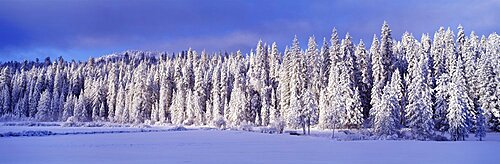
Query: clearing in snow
[(225, 146)]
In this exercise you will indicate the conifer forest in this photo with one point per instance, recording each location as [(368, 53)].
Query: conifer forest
[(447, 82)]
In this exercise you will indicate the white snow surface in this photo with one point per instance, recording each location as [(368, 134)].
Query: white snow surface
[(195, 145)]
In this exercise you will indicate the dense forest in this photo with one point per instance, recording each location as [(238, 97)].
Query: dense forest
[(448, 84)]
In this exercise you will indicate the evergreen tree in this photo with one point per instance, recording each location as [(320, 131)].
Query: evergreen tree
[(217, 102), (69, 107), (386, 120), (325, 64), (419, 109), (139, 98), (44, 107), (386, 52), (238, 104), (112, 90), (378, 74), (441, 102), (438, 53), (178, 107), (120, 105), (366, 80), (457, 112), (480, 125), (486, 90), (396, 90), (312, 66), (81, 113), (310, 112), (460, 113), (297, 84)]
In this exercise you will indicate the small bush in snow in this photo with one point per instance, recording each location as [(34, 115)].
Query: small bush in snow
[(148, 122), (220, 123), (71, 122), (279, 126), (188, 122), (246, 126), (387, 137)]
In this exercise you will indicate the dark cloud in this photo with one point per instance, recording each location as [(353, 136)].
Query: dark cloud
[(36, 28)]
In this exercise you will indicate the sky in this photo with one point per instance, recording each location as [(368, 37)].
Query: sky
[(80, 29)]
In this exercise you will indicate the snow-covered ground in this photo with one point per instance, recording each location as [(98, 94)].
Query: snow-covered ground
[(216, 146)]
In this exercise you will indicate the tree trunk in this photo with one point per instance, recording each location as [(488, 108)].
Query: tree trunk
[(304, 129), (333, 131), (308, 126), (303, 126)]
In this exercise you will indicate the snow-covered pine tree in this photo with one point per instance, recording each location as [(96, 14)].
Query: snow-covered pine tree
[(365, 83), (178, 107), (191, 107), (200, 95), (166, 91), (139, 98), (112, 81), (284, 83), (274, 111), (310, 111), (264, 83), (274, 65), (325, 64), (458, 115), (336, 111), (292, 114), (419, 109), (120, 105), (461, 41), (313, 66), (334, 48), (386, 52), (323, 109), (438, 53), (266, 104), (349, 86), (69, 107), (217, 103), (238, 104), (37, 88), (102, 111), (480, 125), (385, 123), (5, 88), (328, 118), (378, 74), (487, 87), (42, 113), (441, 102), (470, 57), (21, 108), (81, 111), (19, 97), (450, 50), (396, 90), (226, 87), (425, 42)]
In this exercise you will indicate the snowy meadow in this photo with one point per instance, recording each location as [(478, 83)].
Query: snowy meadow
[(174, 144), (394, 102)]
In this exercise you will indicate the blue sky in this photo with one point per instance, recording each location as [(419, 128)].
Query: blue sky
[(80, 29)]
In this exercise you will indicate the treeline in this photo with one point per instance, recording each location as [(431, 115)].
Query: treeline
[(445, 84)]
